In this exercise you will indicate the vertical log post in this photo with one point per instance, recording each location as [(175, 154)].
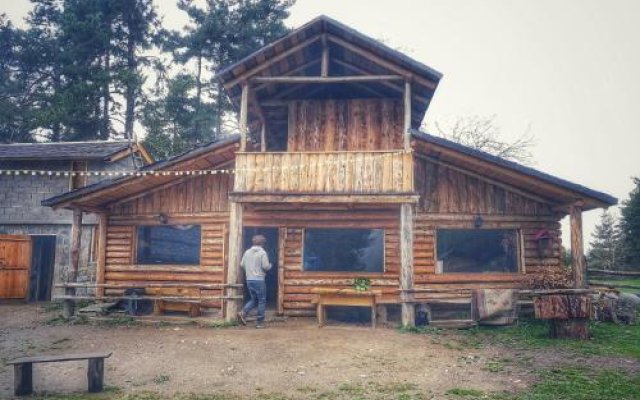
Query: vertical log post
[(103, 221), (407, 115), (577, 246), (235, 221), (233, 268), (324, 66), (76, 236), (244, 109), (406, 264), (263, 137)]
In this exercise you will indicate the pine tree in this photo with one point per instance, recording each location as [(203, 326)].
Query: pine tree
[(219, 34), (630, 227), (605, 246)]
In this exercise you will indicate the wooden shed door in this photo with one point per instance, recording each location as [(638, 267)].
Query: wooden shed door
[(15, 262)]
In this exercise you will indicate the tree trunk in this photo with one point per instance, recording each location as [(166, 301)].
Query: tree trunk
[(106, 122), (132, 79)]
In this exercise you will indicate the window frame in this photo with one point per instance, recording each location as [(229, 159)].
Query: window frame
[(346, 273), (136, 249), (520, 251)]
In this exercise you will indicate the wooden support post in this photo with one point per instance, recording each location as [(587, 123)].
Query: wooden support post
[(103, 221), (244, 109), (76, 237), (577, 246), (406, 264), (22, 379), (407, 115), (263, 137), (235, 253), (95, 375), (324, 66)]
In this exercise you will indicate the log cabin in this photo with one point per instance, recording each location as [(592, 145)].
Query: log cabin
[(330, 165)]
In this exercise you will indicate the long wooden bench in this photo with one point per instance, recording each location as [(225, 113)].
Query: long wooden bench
[(23, 370)]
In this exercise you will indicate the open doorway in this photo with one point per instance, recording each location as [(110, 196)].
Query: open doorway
[(271, 247), (43, 255)]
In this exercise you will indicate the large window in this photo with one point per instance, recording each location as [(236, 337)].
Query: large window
[(478, 250), (346, 250), (169, 244)]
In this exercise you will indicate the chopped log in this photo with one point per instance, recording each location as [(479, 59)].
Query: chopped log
[(569, 329), (563, 307)]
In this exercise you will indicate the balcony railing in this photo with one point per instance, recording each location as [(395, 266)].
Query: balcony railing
[(345, 172)]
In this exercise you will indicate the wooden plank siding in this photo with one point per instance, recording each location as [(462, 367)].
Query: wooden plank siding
[(345, 125), (352, 172), (446, 190)]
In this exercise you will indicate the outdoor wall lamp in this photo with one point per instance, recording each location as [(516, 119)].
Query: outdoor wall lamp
[(162, 218)]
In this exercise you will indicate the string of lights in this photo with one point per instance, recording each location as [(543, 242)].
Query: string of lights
[(151, 172)]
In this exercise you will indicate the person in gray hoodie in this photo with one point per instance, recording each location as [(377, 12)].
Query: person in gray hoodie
[(255, 264)]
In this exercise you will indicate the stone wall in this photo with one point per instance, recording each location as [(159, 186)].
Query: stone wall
[(21, 212)]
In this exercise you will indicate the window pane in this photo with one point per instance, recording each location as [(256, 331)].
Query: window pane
[(350, 250), (178, 244), (478, 250)]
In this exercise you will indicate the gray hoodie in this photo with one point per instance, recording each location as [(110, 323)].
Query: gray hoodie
[(255, 263)]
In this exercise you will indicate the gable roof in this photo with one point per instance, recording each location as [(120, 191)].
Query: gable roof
[(351, 53), (559, 191), (62, 151), (100, 193)]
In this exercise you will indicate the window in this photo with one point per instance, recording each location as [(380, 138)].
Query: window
[(344, 250), (478, 250), (169, 244)]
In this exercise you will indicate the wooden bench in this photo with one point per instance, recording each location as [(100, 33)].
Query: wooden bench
[(23, 370), (344, 297)]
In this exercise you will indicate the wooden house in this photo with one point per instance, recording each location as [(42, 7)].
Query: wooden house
[(331, 166)]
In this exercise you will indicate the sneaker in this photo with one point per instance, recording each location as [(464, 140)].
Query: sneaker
[(241, 318), (260, 325)]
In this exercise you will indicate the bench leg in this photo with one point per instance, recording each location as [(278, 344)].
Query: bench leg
[(95, 375), (373, 316), (23, 379)]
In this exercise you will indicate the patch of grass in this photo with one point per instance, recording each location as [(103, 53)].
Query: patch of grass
[(608, 339), (222, 324), (118, 320), (161, 379), (494, 366), (461, 392), (579, 384)]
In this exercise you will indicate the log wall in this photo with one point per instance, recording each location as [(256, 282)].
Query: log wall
[(297, 284), (201, 200), (339, 125), (533, 260)]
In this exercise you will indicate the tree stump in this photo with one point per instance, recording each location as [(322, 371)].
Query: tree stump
[(568, 314)]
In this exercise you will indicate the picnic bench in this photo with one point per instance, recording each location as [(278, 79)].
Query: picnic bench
[(344, 297), (23, 370)]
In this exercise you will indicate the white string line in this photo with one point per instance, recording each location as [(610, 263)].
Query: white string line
[(115, 173)]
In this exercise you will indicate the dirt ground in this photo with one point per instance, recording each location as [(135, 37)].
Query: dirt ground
[(289, 358)]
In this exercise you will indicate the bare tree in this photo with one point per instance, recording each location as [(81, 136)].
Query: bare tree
[(481, 133)]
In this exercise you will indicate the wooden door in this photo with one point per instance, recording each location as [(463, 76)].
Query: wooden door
[(15, 262)]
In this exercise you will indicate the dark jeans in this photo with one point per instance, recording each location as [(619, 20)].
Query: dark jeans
[(258, 293)]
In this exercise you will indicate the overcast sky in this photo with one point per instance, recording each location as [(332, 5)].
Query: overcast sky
[(567, 70)]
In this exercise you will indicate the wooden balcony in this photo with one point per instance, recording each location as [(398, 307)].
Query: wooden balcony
[(362, 175)]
